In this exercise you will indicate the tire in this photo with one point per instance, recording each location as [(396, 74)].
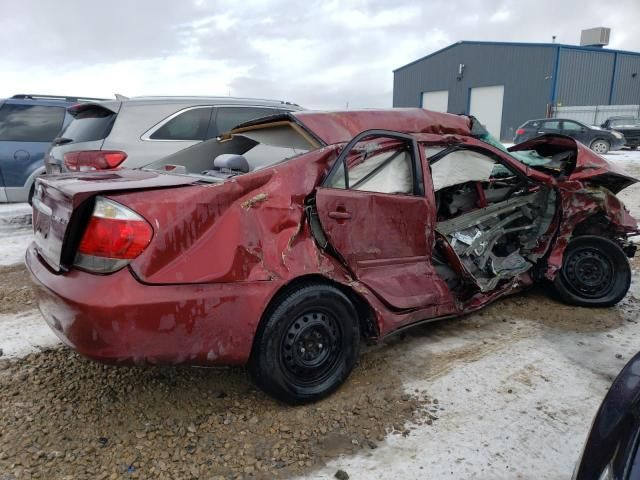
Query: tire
[(600, 146), (595, 273), (633, 147), (290, 359), (31, 192)]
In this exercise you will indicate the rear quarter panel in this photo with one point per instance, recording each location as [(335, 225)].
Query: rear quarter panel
[(250, 228)]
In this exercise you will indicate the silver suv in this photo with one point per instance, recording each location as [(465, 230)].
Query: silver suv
[(133, 132)]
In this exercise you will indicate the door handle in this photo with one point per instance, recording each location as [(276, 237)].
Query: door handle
[(340, 215)]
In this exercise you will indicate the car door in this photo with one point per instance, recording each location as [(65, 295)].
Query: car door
[(373, 209), (576, 130), (549, 126), (26, 131)]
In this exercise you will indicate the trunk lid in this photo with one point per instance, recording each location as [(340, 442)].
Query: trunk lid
[(588, 167), (60, 210)]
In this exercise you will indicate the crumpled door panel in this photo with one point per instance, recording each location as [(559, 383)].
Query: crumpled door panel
[(385, 240)]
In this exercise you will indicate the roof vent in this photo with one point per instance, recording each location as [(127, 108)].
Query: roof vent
[(595, 37)]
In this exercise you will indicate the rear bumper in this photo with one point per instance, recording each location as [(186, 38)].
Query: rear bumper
[(116, 319)]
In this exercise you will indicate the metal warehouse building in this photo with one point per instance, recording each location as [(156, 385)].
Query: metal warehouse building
[(505, 84)]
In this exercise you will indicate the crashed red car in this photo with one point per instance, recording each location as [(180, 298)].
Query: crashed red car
[(290, 239)]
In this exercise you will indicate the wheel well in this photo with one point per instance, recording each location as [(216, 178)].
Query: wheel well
[(366, 316), (597, 224)]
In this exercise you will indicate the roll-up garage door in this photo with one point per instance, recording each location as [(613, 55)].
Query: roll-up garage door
[(437, 101), (485, 103)]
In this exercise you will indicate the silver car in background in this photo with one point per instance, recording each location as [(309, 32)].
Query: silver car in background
[(133, 132)]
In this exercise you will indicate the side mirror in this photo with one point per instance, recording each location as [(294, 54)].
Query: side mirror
[(232, 162)]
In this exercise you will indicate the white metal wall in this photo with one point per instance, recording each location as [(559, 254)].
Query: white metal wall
[(596, 114), (485, 103)]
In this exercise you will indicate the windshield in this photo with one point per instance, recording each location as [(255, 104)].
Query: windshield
[(531, 158)]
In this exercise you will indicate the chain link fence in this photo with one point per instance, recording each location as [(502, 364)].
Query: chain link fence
[(595, 114)]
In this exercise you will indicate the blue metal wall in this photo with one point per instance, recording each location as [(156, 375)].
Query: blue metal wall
[(525, 71), (626, 88), (534, 76), (584, 77)]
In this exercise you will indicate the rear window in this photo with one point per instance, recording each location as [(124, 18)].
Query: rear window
[(229, 117), (30, 123), (90, 124)]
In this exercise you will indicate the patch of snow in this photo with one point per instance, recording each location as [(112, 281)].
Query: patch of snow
[(9, 210), (24, 333), (623, 156), (15, 232), (501, 415)]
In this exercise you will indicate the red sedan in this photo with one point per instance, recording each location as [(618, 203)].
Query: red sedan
[(284, 243)]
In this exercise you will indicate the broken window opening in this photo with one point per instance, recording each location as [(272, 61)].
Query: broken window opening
[(254, 148), (491, 218), (382, 165)]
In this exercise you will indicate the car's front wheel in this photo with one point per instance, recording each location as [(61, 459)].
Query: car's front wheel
[(595, 273), (600, 146), (307, 345)]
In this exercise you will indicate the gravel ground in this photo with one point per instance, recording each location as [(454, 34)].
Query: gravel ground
[(64, 414), (16, 294)]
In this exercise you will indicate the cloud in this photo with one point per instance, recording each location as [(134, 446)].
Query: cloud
[(500, 16), (321, 54)]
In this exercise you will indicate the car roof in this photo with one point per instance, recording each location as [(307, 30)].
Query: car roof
[(553, 120), (210, 99), (30, 98), (332, 127)]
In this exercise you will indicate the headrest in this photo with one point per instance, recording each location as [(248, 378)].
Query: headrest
[(231, 161)]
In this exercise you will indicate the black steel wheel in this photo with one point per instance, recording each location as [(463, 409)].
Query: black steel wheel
[(595, 272), (307, 344)]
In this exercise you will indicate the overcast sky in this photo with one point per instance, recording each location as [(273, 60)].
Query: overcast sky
[(321, 54)]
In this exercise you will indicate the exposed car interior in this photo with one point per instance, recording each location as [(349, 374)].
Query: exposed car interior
[(489, 217), (248, 150)]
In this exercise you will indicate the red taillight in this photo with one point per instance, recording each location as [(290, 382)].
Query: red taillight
[(114, 236), (84, 160), (121, 239), (520, 131)]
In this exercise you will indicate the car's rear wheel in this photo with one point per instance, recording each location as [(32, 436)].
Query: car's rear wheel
[(595, 273), (600, 146), (307, 345)]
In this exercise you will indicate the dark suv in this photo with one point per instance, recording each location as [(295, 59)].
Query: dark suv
[(28, 124), (597, 139), (628, 126)]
